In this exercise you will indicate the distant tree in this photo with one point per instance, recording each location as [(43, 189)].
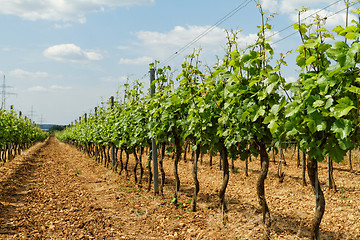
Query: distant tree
[(56, 128)]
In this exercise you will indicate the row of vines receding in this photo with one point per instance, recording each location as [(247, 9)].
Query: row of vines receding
[(17, 134), (240, 107)]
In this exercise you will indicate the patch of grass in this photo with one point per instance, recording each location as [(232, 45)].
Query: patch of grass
[(179, 204), (130, 189), (140, 190), (139, 211), (341, 194), (78, 171)]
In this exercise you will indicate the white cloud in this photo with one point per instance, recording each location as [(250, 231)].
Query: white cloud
[(164, 44), (37, 89), (270, 5), (249, 39), (289, 6), (180, 36), (47, 89), (22, 74), (114, 79), (291, 79), (136, 61), (72, 53), (62, 10), (331, 22), (213, 43), (60, 88), (333, 10)]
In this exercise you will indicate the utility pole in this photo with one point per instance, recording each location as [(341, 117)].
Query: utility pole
[(4, 93), (32, 113)]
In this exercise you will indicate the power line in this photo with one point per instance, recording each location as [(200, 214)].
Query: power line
[(340, 11), (287, 36), (232, 13), (331, 15), (223, 19), (291, 25)]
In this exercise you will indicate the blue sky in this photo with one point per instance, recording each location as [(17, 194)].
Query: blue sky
[(63, 57)]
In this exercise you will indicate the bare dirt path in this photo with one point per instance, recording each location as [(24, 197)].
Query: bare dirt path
[(53, 191)]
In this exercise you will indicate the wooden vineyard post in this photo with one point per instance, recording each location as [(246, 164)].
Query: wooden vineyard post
[(350, 164), (10, 157), (298, 155), (86, 145), (112, 144), (196, 181), (273, 150), (153, 142), (303, 168), (96, 147)]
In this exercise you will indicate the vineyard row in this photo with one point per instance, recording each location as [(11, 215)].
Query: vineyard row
[(17, 134), (241, 107)]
